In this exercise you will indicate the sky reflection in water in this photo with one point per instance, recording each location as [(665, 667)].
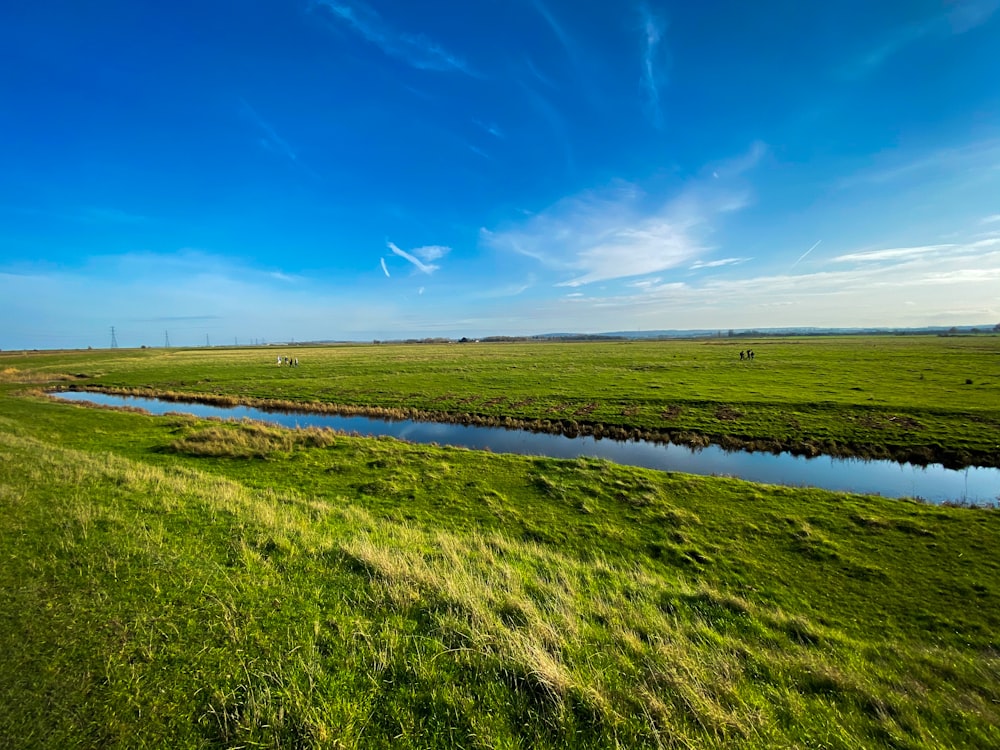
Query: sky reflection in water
[(888, 478)]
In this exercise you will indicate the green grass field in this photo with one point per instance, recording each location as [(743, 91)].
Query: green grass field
[(175, 582), (925, 399)]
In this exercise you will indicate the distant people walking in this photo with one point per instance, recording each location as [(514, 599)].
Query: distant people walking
[(741, 356)]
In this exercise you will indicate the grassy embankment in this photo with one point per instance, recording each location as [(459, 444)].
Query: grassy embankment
[(925, 399), (185, 583)]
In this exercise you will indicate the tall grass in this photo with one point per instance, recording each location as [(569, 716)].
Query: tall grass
[(251, 440), (147, 605)]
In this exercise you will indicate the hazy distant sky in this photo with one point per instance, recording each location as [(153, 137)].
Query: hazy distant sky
[(336, 169)]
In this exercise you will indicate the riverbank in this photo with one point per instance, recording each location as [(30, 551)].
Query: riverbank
[(933, 483), (919, 455)]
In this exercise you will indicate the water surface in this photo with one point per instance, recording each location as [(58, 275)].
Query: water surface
[(933, 483)]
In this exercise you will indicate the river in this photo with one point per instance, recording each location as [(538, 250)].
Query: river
[(933, 483)]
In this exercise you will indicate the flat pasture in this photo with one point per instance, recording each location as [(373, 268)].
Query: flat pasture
[(923, 399)]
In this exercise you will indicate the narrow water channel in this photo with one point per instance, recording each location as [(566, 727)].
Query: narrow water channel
[(934, 483)]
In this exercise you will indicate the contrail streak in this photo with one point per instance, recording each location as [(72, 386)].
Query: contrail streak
[(806, 253)]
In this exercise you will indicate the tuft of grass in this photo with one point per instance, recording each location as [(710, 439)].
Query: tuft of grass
[(249, 440), (16, 375)]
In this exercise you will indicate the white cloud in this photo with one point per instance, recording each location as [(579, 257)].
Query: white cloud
[(990, 219), (385, 269), (478, 151), (896, 253), (432, 252), (907, 293), (652, 35), (508, 290), (542, 78), (620, 231), (554, 120), (414, 49), (646, 283), (963, 16), (966, 15), (717, 263), (270, 139), (603, 235), (491, 128), (954, 286), (895, 166), (962, 275), (990, 242), (557, 29)]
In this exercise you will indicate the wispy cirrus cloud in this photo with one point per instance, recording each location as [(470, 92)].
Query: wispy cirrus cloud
[(970, 159), (478, 151), (554, 120), (646, 283), (620, 231), (269, 139), (966, 15), (385, 269), (491, 128), (564, 38), (698, 265), (891, 254), (963, 16), (421, 257), (539, 75), (652, 63), (508, 290), (415, 50), (904, 289)]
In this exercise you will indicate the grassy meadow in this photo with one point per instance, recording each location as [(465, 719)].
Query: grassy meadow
[(924, 399), (176, 582)]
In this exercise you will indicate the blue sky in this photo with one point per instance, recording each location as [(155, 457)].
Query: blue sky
[(334, 169)]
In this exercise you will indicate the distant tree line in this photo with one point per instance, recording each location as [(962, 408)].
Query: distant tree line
[(731, 333)]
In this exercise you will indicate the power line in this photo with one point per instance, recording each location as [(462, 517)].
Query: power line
[(114, 341), (166, 339)]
